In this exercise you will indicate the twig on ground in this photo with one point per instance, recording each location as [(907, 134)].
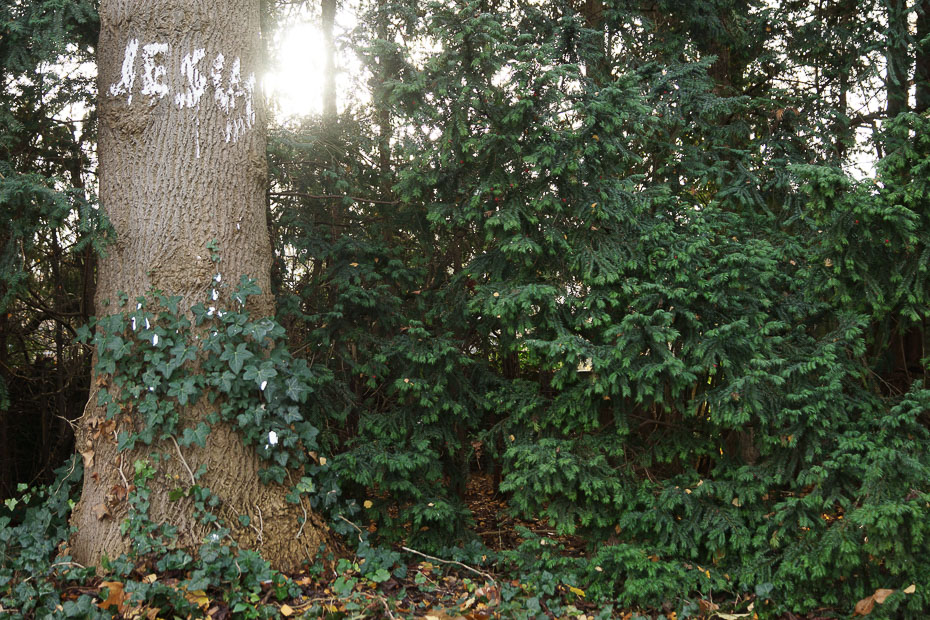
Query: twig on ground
[(31, 577), (465, 566), (387, 607), (353, 525)]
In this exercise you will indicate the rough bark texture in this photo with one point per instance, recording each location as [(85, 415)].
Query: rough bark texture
[(182, 163)]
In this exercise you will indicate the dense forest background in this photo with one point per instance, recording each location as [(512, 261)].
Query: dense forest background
[(658, 270)]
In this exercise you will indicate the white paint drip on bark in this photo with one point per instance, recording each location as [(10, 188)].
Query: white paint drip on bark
[(128, 77)]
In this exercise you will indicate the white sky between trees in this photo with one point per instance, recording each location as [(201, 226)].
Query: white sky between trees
[(294, 81)]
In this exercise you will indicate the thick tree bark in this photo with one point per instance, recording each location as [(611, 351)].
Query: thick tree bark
[(182, 163)]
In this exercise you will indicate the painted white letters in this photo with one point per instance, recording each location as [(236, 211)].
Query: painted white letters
[(216, 74), (124, 86), (196, 81), (153, 73), (232, 93)]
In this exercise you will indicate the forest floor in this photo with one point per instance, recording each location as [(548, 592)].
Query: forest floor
[(432, 588)]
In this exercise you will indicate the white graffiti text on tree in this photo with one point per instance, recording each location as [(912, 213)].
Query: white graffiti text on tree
[(232, 92)]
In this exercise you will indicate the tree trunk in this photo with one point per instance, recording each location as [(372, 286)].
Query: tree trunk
[(7, 482), (182, 163), (922, 68), (896, 59), (599, 69), (328, 26)]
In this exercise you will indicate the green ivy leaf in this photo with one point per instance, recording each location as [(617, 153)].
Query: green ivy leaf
[(196, 435), (119, 347), (261, 373), (184, 389), (305, 485), (295, 389), (379, 576), (236, 356)]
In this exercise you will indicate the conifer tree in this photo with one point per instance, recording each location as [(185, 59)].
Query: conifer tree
[(47, 233), (622, 257)]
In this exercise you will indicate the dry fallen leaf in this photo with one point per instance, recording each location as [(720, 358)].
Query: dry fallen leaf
[(101, 511), (881, 594), (910, 589), (199, 598), (119, 492), (865, 606), (115, 596), (88, 458), (287, 610)]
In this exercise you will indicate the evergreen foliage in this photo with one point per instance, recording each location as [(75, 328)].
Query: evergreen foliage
[(673, 311), (48, 229), (616, 256)]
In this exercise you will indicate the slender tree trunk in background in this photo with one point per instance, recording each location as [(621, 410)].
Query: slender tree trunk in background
[(841, 20), (330, 131), (907, 339), (57, 420), (88, 257), (599, 70), (327, 25), (382, 107), (922, 68), (896, 59), (182, 162), (6, 449)]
